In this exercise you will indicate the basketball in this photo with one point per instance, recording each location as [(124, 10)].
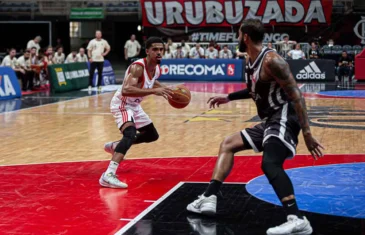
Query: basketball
[(181, 97)]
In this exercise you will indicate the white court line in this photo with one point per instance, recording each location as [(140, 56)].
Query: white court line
[(171, 157), (145, 212), (149, 201), (43, 105)]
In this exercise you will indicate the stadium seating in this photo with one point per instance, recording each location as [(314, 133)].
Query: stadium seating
[(28, 6), (18, 7), (117, 7)]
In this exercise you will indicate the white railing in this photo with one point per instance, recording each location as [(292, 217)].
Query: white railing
[(233, 45)]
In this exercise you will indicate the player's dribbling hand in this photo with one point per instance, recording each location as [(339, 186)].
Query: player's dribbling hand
[(217, 100), (164, 91), (313, 146)]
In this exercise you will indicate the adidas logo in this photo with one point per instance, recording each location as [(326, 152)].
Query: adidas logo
[(311, 71)]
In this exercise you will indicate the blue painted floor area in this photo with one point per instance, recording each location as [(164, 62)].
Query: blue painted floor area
[(344, 93), (332, 189)]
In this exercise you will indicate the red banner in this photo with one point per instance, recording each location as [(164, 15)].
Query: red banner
[(225, 13)]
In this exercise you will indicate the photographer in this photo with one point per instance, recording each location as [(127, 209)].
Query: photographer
[(345, 66)]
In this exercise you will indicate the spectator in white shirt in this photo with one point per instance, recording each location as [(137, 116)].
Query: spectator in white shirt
[(72, 57), (286, 45), (211, 52), (98, 48), (297, 53), (59, 57), (33, 56), (81, 56), (225, 53), (179, 53), (196, 52), (49, 54), (132, 48), (185, 47), (35, 43), (172, 45), (24, 62), (269, 45), (167, 53), (11, 61)]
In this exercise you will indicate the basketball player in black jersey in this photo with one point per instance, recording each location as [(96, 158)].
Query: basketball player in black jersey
[(282, 108)]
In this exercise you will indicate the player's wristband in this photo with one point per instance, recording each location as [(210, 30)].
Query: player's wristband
[(239, 95)]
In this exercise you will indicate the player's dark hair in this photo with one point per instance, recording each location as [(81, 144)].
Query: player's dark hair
[(254, 29), (152, 40)]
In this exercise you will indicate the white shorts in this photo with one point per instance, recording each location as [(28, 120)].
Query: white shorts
[(131, 114)]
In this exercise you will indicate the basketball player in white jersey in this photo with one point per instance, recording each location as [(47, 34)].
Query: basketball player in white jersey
[(140, 80)]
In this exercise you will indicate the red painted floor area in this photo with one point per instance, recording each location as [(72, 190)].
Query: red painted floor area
[(65, 198)]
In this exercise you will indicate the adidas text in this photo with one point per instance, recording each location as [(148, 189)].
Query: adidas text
[(311, 76), (311, 71)]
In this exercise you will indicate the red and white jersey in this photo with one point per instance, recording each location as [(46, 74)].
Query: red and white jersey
[(119, 101)]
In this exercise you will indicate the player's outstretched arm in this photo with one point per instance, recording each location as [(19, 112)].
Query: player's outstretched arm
[(131, 89), (278, 68), (238, 95)]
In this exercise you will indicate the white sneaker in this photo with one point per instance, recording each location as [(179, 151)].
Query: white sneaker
[(294, 226), (111, 181), (108, 147), (204, 205)]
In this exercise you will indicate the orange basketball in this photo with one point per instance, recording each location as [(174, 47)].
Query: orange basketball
[(181, 97)]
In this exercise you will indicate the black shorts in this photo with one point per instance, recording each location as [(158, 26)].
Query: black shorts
[(282, 124)]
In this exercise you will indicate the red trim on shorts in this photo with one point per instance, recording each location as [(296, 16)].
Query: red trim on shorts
[(123, 110)]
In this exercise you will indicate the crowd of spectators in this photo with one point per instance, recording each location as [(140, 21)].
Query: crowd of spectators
[(31, 66), (289, 49)]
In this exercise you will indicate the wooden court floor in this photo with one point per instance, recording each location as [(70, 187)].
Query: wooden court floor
[(76, 130)]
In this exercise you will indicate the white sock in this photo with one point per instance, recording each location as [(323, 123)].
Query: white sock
[(112, 168)]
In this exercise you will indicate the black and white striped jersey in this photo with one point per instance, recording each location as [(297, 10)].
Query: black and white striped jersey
[(268, 96)]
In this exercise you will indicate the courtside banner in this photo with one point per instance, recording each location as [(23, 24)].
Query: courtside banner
[(108, 74), (313, 70), (9, 85), (202, 70), (225, 13), (68, 77)]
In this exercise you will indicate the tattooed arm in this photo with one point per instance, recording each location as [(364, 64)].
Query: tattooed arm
[(276, 67)]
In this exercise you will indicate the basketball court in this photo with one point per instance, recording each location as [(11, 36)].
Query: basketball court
[(52, 157)]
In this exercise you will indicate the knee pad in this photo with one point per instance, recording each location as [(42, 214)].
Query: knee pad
[(151, 136), (149, 133), (275, 153), (129, 136), (270, 170)]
